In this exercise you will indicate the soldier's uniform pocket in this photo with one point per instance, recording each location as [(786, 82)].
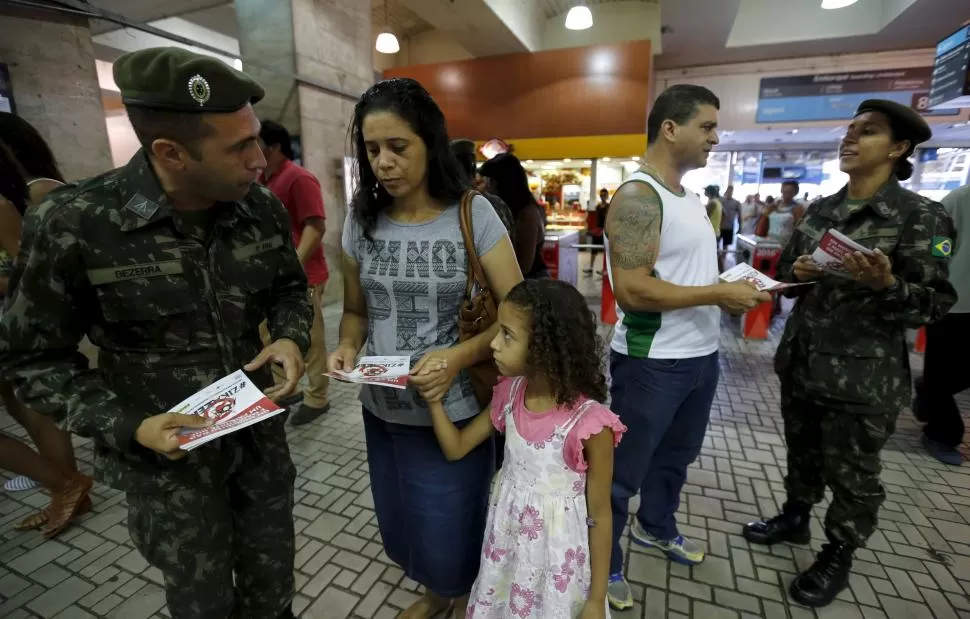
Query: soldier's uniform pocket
[(883, 239), (156, 312), (844, 372)]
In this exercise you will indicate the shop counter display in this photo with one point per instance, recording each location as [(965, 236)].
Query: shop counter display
[(560, 220), (562, 256)]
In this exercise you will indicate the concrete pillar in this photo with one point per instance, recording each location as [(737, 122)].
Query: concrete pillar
[(55, 86), (325, 41)]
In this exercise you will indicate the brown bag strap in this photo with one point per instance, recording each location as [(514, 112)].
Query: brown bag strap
[(475, 271)]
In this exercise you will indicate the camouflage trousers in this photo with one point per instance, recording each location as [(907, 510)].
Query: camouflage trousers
[(838, 449), (225, 548)]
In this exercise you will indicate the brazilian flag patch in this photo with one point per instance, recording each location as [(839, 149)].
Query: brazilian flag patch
[(942, 247)]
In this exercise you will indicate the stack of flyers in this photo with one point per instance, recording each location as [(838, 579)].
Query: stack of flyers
[(381, 371), (230, 403), (833, 249), (746, 272)]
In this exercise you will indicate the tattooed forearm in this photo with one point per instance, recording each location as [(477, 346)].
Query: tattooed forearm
[(633, 227)]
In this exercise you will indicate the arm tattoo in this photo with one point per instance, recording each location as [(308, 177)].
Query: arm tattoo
[(633, 228)]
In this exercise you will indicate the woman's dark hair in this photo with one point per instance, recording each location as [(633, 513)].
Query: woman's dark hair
[(274, 134), (28, 148), (712, 191), (13, 187), (409, 100), (510, 181), (563, 346), (791, 183)]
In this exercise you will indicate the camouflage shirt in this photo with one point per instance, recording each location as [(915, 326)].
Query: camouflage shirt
[(171, 310), (845, 344)]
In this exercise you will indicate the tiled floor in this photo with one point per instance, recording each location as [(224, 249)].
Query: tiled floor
[(916, 567)]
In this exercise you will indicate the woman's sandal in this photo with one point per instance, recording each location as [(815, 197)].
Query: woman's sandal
[(65, 505), (40, 519), (428, 605)]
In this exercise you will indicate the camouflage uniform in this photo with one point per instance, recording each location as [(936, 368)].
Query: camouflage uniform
[(843, 359), (172, 309)]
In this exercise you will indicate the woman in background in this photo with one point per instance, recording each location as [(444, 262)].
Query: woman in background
[(505, 176), (27, 174)]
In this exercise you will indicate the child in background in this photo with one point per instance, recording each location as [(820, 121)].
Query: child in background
[(548, 536)]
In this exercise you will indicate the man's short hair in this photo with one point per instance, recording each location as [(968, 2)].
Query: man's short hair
[(792, 182), (678, 103), (274, 134), (187, 129), (464, 151)]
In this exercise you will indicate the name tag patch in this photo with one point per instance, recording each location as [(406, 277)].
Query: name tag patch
[(259, 247), (109, 275)]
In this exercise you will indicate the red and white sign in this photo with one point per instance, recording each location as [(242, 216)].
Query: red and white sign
[(380, 371), (230, 403)]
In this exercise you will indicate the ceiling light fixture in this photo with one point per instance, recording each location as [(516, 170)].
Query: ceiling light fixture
[(386, 41), (579, 18), (837, 4)]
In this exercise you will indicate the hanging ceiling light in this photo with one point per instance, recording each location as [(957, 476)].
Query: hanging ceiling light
[(579, 18), (837, 4), (386, 41)]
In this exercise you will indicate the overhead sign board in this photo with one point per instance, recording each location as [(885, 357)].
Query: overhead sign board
[(836, 96), (950, 88)]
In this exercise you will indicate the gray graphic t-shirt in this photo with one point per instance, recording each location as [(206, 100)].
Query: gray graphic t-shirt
[(413, 277)]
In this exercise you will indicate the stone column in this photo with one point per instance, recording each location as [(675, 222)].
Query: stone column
[(55, 87), (328, 42)]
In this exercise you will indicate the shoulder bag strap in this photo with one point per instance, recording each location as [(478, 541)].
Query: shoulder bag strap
[(475, 272)]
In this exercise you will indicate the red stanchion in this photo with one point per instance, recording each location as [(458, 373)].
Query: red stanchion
[(608, 302), (920, 344)]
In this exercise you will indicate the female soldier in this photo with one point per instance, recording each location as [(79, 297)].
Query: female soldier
[(843, 359)]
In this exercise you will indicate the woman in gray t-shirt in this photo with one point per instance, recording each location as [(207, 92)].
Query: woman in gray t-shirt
[(405, 268)]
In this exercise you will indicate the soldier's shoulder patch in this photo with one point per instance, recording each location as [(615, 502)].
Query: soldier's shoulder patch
[(942, 246)]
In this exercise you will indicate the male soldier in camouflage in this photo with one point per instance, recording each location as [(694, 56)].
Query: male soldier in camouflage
[(169, 265), (843, 359)]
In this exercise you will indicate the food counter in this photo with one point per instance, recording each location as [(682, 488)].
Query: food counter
[(562, 256), (562, 220)]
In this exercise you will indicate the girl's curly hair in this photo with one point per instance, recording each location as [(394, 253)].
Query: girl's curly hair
[(563, 346)]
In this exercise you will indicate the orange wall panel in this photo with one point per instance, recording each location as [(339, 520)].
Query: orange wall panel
[(583, 91)]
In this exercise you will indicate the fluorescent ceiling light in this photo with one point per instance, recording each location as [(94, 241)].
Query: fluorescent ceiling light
[(837, 4), (387, 43), (579, 18)]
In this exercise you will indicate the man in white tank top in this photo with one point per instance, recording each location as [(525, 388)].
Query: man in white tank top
[(662, 258)]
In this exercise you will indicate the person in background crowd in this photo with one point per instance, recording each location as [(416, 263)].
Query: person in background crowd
[(300, 193), (750, 213), (464, 151), (779, 219), (505, 176), (53, 465), (843, 361), (715, 210), (731, 217), (944, 368), (170, 264), (596, 232), (404, 282), (543, 351), (662, 257)]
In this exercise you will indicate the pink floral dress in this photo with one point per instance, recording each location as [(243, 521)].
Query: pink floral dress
[(535, 561)]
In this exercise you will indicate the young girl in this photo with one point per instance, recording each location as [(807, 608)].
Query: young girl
[(547, 541)]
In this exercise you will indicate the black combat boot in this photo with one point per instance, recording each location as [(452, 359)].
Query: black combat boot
[(818, 585), (791, 525)]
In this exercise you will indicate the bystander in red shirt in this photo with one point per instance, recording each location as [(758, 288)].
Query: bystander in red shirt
[(299, 191)]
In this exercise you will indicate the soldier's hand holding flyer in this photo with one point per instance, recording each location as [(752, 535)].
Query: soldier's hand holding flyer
[(160, 433), (874, 269)]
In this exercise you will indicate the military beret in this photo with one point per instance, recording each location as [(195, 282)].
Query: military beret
[(462, 146), (177, 80), (906, 122)]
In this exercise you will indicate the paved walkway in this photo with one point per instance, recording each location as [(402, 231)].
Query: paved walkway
[(916, 567)]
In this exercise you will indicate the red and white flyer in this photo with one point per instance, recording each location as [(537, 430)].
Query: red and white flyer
[(833, 249), (746, 272), (231, 403), (381, 371)]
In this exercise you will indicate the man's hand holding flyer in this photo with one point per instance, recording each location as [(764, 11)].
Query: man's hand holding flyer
[(746, 272), (381, 371), (231, 403), (833, 249)]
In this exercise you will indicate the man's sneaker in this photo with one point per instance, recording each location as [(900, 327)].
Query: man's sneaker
[(305, 414), (618, 593), (943, 453), (680, 549)]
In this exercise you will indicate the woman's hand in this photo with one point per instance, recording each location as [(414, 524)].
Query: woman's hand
[(433, 374), (344, 358), (593, 610), (805, 270), (875, 271)]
